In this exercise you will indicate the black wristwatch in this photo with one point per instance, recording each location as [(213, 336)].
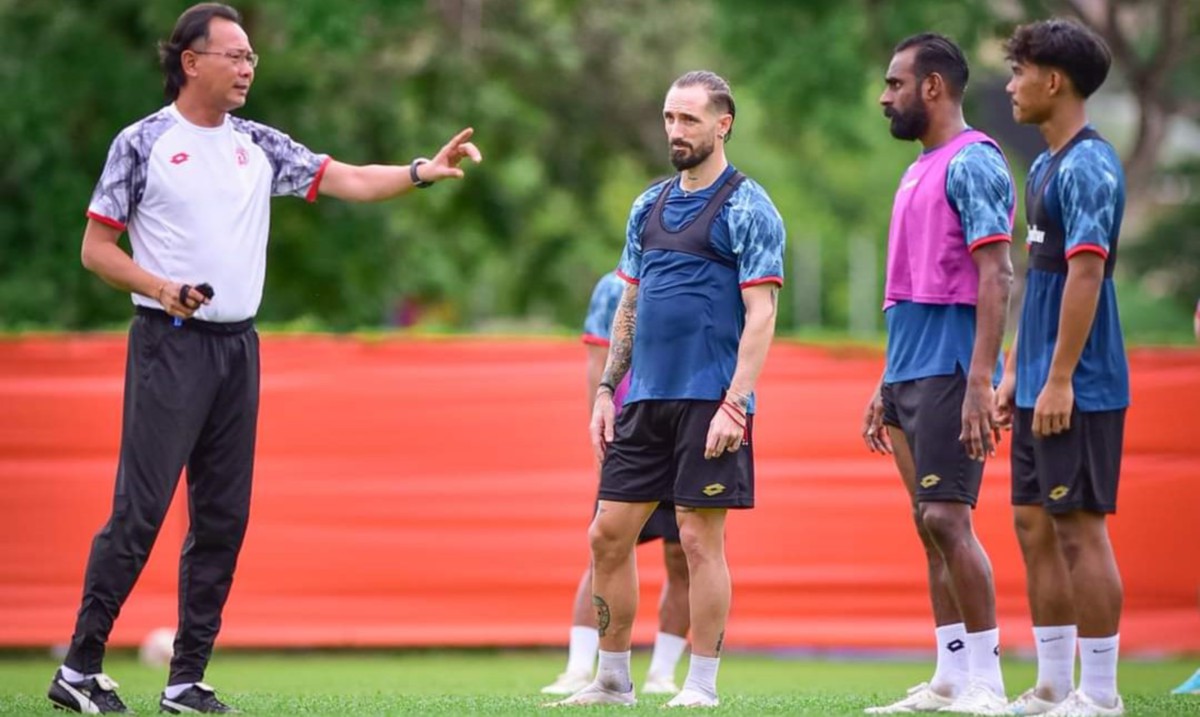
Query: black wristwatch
[(412, 173)]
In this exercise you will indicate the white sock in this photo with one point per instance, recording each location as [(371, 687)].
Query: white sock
[(1098, 668), (581, 654), (614, 671), (702, 674), (668, 649), (983, 656), (173, 691), (71, 675), (950, 675), (1055, 659)]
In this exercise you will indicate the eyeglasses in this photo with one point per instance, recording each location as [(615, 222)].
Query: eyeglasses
[(236, 58)]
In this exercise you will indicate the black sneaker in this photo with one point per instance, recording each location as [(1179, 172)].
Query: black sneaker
[(197, 698), (95, 695)]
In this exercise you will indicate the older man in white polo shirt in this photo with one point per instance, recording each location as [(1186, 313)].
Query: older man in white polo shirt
[(192, 186)]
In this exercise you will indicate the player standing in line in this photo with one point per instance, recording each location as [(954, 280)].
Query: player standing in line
[(673, 615), (704, 261), (193, 185), (946, 299), (1066, 385)]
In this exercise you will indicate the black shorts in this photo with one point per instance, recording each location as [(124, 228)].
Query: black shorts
[(657, 454), (1078, 469), (929, 412)]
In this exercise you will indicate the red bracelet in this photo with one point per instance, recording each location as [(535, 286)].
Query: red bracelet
[(741, 423)]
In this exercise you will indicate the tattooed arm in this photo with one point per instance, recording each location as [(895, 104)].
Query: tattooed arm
[(620, 355), (620, 351)]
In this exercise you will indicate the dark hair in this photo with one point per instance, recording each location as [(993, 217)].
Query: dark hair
[(719, 94), (938, 53), (1066, 45), (192, 25)]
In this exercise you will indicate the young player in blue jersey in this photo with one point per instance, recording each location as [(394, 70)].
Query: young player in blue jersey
[(1066, 384), (703, 261)]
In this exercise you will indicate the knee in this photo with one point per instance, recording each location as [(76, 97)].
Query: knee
[(945, 523), (220, 529), (922, 531), (608, 545), (699, 544), (1034, 529), (1071, 537)]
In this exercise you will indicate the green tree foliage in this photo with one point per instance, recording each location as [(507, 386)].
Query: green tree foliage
[(1168, 255), (818, 67), (565, 99)]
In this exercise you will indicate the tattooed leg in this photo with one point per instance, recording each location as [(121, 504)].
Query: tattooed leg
[(613, 537), (603, 615)]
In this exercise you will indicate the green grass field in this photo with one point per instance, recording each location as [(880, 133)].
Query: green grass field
[(506, 683)]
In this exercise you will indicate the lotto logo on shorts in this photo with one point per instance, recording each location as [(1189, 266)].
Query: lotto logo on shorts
[(930, 481), (713, 489), (1059, 492)]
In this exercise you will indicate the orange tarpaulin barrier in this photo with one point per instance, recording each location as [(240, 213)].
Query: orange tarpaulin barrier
[(437, 492)]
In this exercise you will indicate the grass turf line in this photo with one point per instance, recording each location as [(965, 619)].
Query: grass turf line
[(507, 683)]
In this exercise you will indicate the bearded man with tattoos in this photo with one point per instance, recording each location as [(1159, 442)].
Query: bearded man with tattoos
[(703, 262)]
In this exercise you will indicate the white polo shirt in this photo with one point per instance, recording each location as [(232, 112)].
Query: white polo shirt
[(197, 202)]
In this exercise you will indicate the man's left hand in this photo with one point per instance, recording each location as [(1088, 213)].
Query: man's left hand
[(725, 435)]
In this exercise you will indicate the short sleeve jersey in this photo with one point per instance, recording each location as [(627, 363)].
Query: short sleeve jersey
[(196, 202), (690, 313), (597, 325), (1081, 198)]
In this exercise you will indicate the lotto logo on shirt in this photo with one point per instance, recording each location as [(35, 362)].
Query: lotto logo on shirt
[(1035, 236)]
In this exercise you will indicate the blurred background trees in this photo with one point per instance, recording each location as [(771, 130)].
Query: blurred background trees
[(565, 97)]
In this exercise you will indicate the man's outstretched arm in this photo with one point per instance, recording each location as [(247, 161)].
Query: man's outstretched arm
[(374, 182)]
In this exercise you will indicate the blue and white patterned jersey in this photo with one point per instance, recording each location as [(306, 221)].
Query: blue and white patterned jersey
[(690, 313), (597, 325), (1076, 201)]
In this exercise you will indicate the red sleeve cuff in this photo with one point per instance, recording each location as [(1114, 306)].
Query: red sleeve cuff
[(316, 182), (628, 278), (984, 241), (777, 280), (594, 340), (107, 221), (1094, 248)]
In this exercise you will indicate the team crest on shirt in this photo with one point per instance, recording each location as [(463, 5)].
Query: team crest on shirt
[(242, 156)]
